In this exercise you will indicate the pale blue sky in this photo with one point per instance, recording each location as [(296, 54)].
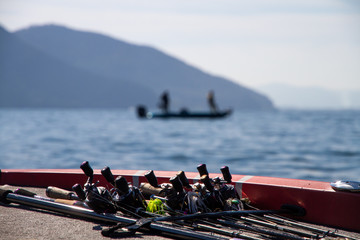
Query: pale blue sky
[(255, 42)]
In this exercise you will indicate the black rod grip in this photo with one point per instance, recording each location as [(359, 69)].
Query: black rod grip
[(3, 193), (183, 179), (79, 191), (122, 184), (24, 192), (226, 174), (206, 180), (85, 166), (151, 178), (175, 181), (106, 172), (202, 169)]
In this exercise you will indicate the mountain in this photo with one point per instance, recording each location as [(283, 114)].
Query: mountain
[(31, 78), (287, 96), (112, 69)]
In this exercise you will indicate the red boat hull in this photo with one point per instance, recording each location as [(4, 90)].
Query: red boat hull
[(323, 205)]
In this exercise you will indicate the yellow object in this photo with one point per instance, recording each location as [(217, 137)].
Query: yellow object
[(155, 206)]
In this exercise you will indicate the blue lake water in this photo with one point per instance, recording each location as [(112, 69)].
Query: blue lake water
[(315, 145)]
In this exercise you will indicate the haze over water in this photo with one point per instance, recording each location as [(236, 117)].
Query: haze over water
[(315, 145)]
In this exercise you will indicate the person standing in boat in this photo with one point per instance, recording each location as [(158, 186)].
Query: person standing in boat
[(211, 101), (164, 105)]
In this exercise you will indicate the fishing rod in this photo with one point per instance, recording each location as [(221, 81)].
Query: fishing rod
[(231, 193), (211, 195), (175, 195), (212, 189), (228, 191), (290, 222), (56, 197), (200, 226), (7, 196), (258, 230), (171, 193), (216, 215), (55, 192), (133, 227), (275, 226), (219, 194), (97, 198), (122, 193), (140, 223), (175, 191)]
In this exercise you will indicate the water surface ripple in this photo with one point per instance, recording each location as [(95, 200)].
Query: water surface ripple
[(316, 145)]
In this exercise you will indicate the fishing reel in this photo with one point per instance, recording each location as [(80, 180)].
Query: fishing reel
[(97, 198), (228, 191), (220, 195), (209, 195), (166, 192), (176, 194), (123, 194), (170, 193), (192, 201)]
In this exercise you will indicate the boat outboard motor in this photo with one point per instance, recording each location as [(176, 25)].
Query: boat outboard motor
[(97, 198), (141, 110)]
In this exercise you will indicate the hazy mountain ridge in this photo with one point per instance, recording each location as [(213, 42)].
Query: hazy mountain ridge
[(31, 78), (85, 69), (287, 96)]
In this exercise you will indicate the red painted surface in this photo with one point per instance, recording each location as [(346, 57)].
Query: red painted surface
[(322, 204)]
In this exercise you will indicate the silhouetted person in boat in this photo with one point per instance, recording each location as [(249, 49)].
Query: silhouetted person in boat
[(164, 105), (211, 101)]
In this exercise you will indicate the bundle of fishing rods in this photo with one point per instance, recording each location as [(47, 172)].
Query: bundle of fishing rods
[(176, 197), (208, 209)]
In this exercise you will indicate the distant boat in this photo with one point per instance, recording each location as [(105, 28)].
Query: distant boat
[(143, 113)]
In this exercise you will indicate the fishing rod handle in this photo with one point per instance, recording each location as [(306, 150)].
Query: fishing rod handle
[(147, 190), (55, 192), (79, 191), (122, 184), (176, 183), (3, 194), (206, 180), (151, 178), (202, 169), (226, 174), (85, 166), (184, 180), (106, 172)]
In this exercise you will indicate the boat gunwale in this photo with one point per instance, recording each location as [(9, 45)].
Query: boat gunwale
[(318, 198)]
